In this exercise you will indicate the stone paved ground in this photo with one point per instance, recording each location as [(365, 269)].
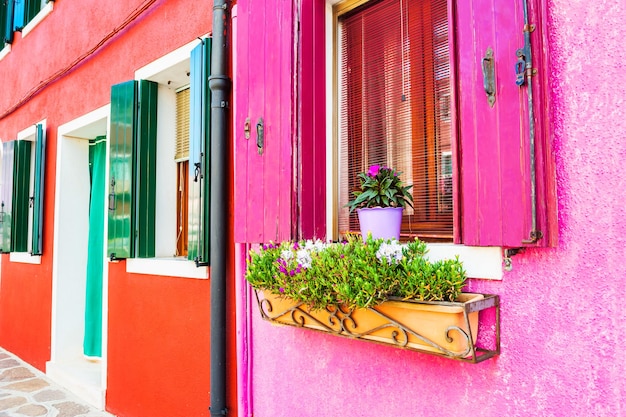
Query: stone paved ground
[(27, 392)]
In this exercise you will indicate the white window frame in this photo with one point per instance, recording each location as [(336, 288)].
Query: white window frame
[(171, 73), (41, 15)]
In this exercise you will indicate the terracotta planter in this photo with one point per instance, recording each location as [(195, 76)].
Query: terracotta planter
[(448, 329)]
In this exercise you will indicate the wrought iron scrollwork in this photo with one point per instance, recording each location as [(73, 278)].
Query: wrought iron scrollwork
[(341, 321)]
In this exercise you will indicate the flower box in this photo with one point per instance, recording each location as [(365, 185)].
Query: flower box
[(447, 329)]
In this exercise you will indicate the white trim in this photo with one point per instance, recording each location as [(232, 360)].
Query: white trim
[(166, 62), (30, 133), (67, 365), (5, 51), (45, 11), (479, 262), (24, 258), (170, 267)]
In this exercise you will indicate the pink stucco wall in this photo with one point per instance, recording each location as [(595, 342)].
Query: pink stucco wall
[(562, 309)]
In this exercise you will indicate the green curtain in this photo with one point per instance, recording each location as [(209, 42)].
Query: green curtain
[(92, 344)]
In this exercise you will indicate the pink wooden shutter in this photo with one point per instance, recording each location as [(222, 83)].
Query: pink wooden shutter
[(263, 87), (312, 121), (494, 180)]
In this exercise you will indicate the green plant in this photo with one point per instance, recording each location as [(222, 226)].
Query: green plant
[(381, 187), (353, 273)]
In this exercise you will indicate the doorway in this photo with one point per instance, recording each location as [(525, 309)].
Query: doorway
[(82, 372)]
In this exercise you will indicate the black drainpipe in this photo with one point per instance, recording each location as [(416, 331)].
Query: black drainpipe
[(219, 83)]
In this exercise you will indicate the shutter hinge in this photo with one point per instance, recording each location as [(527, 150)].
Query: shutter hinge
[(508, 253), (535, 235), (199, 262)]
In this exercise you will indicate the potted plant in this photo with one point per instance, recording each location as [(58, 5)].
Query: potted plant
[(376, 290), (379, 202)]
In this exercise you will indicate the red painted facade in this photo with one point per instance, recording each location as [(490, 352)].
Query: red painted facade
[(158, 327)]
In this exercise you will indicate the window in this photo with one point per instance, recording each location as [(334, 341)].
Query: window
[(394, 90), (158, 159), (21, 205), (425, 112), (408, 91), (21, 15)]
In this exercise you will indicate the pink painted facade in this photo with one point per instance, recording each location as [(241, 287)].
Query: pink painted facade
[(562, 314)]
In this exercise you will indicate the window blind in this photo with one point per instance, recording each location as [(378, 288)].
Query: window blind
[(182, 125)]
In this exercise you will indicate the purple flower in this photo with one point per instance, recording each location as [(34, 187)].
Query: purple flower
[(292, 273), (342, 256), (282, 269), (281, 290), (373, 170), (296, 246)]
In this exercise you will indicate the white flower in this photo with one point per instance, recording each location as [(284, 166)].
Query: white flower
[(286, 255), (316, 246), (390, 251), (303, 257)]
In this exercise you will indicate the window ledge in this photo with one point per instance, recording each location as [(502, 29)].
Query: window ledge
[(24, 258), (171, 267), (479, 262), (45, 11), (5, 51)]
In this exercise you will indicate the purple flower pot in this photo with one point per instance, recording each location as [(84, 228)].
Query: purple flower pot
[(381, 222)]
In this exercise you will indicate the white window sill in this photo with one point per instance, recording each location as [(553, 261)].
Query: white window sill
[(24, 258), (479, 262), (45, 11), (171, 267), (5, 51)]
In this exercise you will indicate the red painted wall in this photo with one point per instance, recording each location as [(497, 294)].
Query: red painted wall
[(25, 295), (159, 346), (158, 338)]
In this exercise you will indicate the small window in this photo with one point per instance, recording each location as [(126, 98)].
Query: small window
[(158, 159), (21, 205)]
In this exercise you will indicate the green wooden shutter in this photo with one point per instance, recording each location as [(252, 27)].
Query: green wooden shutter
[(132, 172), (19, 14), (120, 243), (21, 195), (8, 22), (145, 177), (6, 197), (32, 8), (199, 157), (3, 23), (40, 155)]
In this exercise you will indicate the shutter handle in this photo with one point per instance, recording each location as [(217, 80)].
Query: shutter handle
[(196, 171), (112, 195), (489, 76), (246, 128), (260, 136), (520, 67)]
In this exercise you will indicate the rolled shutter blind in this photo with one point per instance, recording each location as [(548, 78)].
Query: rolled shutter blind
[(395, 107), (182, 125)]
